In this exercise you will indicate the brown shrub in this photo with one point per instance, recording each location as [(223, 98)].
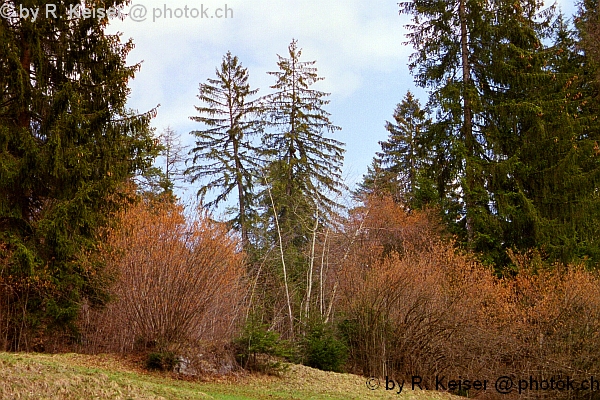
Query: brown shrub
[(416, 314), (178, 283), (556, 321), (411, 305)]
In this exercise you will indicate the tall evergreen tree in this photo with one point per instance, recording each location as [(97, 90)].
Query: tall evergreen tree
[(224, 151), (67, 143), (541, 168), (400, 153), (301, 178), (447, 36), (527, 166), (483, 61), (568, 176), (402, 161), (377, 180), (510, 76), (587, 23), (304, 169)]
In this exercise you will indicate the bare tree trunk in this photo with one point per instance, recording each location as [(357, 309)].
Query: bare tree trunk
[(241, 197), (468, 121), (285, 281), (321, 294), (309, 278), (335, 286)]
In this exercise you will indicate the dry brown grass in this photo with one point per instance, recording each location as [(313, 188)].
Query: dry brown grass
[(71, 376)]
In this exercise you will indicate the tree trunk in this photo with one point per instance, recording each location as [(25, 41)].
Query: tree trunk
[(467, 122)]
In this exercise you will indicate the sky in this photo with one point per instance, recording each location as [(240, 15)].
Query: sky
[(358, 47)]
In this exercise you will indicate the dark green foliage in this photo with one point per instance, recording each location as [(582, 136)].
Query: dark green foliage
[(449, 48), (374, 181), (545, 175), (400, 153), (67, 144), (404, 167), (301, 181), (323, 350), (162, 361), (304, 166), (259, 348), (512, 150)]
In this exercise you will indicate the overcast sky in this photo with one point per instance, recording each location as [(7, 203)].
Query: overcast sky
[(358, 46)]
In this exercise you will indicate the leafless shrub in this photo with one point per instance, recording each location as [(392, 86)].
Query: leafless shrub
[(179, 284), (411, 305)]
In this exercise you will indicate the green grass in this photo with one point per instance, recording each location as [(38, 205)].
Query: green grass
[(73, 376)]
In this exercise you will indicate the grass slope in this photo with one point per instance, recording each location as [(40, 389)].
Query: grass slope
[(74, 376)]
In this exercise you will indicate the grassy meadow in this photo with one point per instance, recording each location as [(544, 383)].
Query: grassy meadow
[(74, 376)]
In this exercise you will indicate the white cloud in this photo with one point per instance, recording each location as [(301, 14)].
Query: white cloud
[(348, 40), (358, 47)]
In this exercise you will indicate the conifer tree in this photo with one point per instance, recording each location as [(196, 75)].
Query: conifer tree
[(394, 170), (540, 172), (411, 166), (447, 36), (377, 180), (400, 153), (301, 178), (511, 74), (67, 144), (587, 24), (528, 172), (304, 169), (224, 151), (482, 61), (563, 170)]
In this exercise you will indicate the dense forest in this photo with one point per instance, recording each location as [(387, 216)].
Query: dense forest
[(471, 246)]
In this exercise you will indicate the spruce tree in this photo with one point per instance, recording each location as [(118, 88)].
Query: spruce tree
[(67, 144), (411, 166), (224, 151), (486, 65), (448, 39), (304, 169), (541, 169), (567, 159), (402, 154), (587, 24), (302, 178), (511, 73), (528, 172), (377, 180)]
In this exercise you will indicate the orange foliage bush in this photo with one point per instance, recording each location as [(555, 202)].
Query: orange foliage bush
[(556, 321), (177, 282), (409, 304)]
